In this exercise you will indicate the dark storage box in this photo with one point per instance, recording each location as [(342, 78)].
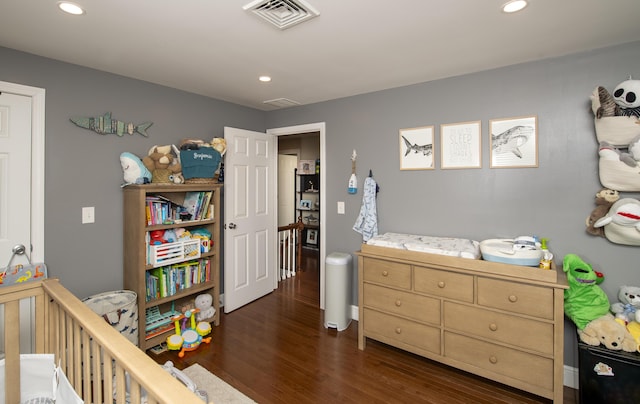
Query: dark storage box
[(607, 376)]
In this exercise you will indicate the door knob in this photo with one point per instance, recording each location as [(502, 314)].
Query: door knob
[(232, 226)]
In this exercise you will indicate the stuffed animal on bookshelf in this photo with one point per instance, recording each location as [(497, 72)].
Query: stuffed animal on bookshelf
[(604, 199), (156, 237), (628, 308), (163, 164), (134, 171), (219, 144), (204, 303)]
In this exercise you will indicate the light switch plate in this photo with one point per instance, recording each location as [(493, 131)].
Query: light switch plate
[(88, 215), (340, 207)]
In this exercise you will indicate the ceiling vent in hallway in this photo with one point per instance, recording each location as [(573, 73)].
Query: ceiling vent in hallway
[(282, 13), (281, 103)]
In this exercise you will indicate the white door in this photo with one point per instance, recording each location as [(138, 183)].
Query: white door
[(250, 226), (286, 192), (21, 181)]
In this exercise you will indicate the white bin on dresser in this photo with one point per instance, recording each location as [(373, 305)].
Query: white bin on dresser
[(337, 291)]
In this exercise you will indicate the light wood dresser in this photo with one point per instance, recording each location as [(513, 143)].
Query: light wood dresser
[(503, 322)]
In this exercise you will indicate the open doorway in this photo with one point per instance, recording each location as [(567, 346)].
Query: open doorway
[(299, 200), (318, 129)]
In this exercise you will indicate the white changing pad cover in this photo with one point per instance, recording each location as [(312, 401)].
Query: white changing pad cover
[(454, 247)]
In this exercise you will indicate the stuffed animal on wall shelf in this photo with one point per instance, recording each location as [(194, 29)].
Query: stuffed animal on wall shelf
[(604, 199), (625, 100)]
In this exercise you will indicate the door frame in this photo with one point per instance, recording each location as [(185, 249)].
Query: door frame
[(37, 162), (319, 127)]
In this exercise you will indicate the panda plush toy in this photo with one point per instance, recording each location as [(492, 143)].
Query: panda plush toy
[(627, 96), (625, 100)]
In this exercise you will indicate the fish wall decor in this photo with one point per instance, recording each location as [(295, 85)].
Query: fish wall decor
[(104, 125)]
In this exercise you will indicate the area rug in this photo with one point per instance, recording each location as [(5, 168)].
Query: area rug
[(218, 390)]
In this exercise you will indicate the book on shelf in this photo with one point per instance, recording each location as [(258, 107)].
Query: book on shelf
[(171, 279), (160, 209), (197, 203)]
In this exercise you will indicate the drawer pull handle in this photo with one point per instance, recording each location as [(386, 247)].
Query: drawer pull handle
[(398, 303), (385, 273), (398, 330), (493, 327), (441, 284), (493, 359), (513, 298)]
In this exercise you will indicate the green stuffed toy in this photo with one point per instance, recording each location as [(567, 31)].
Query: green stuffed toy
[(584, 301)]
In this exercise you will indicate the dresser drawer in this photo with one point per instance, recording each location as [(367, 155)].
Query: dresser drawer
[(511, 329), (387, 272), (516, 297), (445, 284), (405, 331), (528, 368), (420, 308)]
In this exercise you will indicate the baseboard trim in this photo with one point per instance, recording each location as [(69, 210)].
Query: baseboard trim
[(571, 377)]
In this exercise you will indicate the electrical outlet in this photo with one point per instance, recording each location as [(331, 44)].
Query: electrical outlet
[(340, 207), (88, 215)]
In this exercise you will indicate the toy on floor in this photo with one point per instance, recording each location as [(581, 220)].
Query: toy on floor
[(188, 339)]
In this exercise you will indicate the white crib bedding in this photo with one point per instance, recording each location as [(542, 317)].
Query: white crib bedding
[(454, 247)]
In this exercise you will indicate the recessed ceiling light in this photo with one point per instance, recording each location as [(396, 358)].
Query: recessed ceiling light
[(514, 5), (265, 79), (70, 8)]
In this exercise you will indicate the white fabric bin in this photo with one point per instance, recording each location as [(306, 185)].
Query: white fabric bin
[(337, 291)]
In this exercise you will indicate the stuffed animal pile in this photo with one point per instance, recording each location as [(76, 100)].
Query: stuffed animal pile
[(586, 304), (627, 311), (617, 124), (164, 164)]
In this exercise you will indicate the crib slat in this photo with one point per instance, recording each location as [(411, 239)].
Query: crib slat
[(12, 356)]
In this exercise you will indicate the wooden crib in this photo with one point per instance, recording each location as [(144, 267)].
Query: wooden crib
[(77, 337)]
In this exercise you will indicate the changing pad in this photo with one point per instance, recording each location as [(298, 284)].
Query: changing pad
[(454, 247)]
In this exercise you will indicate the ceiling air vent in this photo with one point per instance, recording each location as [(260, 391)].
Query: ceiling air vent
[(281, 103), (282, 13)]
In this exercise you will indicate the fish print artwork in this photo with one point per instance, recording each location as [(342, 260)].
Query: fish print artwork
[(416, 148), (514, 142), (105, 125)]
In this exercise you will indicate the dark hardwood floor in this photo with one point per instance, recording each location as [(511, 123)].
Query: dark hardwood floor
[(276, 350)]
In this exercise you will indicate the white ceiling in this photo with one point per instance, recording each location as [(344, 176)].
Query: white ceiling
[(215, 48)]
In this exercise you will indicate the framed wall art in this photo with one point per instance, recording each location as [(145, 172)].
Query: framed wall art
[(514, 142), (305, 204), (460, 145), (312, 236), (306, 167), (416, 148)]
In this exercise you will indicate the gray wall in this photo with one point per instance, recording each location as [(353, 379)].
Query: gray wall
[(83, 167), (550, 201)]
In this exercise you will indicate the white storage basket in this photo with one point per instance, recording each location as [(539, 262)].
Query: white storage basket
[(170, 253)]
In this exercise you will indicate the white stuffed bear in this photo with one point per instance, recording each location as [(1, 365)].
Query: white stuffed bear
[(204, 303), (628, 308)]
